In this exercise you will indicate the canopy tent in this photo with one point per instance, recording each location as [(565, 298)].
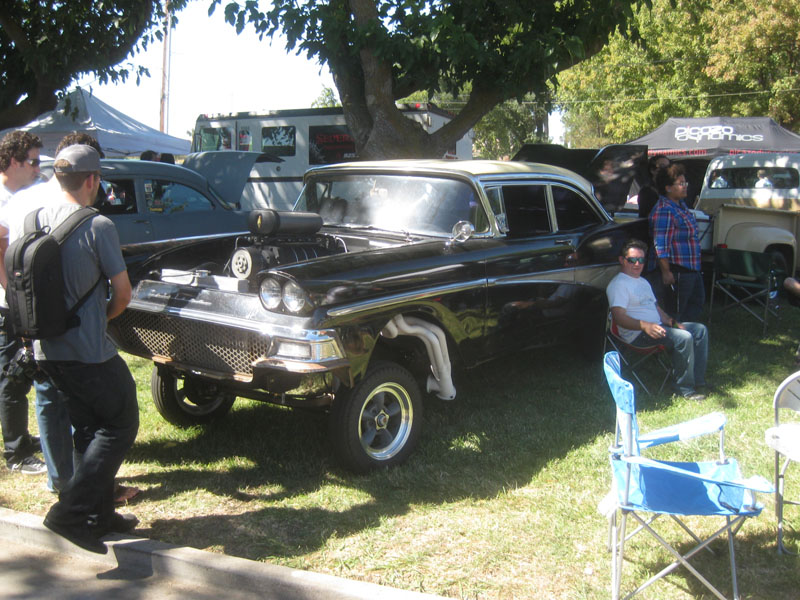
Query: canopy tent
[(714, 136), (118, 134)]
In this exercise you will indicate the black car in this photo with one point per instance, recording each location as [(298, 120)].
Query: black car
[(384, 277)]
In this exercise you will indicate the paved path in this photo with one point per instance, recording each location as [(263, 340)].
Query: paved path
[(36, 563)]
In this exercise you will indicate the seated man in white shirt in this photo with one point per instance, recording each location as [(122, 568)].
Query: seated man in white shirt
[(641, 322)]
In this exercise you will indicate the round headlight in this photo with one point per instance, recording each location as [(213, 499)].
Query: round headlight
[(293, 297), (270, 292)]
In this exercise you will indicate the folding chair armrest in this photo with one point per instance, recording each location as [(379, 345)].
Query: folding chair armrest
[(755, 483), (707, 424)]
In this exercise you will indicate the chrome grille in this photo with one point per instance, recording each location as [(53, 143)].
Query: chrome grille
[(218, 348)]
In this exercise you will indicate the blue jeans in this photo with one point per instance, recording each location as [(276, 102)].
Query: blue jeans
[(689, 351), (51, 416), (55, 433), (101, 399)]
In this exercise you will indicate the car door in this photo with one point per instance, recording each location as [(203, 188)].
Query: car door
[(179, 211), (120, 199), (531, 274), (577, 223)]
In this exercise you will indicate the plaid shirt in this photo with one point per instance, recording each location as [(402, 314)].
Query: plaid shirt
[(674, 232)]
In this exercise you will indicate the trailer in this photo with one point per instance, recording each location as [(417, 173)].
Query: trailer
[(301, 139)]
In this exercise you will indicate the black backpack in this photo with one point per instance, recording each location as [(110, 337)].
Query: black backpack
[(35, 289)]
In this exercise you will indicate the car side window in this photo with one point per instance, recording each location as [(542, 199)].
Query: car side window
[(526, 210), (573, 211), (167, 197), (116, 197), (495, 197)]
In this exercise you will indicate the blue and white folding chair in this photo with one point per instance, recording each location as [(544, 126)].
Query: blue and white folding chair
[(645, 489)]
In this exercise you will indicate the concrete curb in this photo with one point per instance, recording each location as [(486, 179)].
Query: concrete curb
[(152, 558)]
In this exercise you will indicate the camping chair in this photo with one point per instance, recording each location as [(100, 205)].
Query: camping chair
[(634, 358), (677, 489), (746, 278), (784, 438)]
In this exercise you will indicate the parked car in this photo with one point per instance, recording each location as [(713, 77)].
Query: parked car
[(386, 275), (155, 205)]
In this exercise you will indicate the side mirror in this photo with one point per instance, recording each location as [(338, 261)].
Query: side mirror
[(462, 231)]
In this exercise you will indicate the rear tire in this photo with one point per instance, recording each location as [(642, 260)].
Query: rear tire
[(186, 402), (378, 422)]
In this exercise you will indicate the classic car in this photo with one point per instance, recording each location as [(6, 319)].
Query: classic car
[(384, 278), (155, 205)]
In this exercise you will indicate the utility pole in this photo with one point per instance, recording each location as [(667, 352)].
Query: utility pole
[(165, 67)]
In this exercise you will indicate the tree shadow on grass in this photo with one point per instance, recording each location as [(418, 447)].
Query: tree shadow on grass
[(761, 574), (510, 419)]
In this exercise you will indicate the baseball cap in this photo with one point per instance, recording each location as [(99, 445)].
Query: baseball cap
[(79, 158)]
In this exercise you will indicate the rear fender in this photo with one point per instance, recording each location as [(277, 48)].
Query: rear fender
[(757, 237)]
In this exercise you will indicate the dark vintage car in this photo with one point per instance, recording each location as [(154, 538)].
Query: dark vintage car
[(385, 276)]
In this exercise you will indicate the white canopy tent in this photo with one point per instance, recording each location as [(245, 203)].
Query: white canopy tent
[(118, 134)]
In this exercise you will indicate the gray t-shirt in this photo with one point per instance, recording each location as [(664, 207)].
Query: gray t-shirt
[(90, 252)]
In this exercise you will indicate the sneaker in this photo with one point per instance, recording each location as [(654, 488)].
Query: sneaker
[(30, 465), (695, 396)]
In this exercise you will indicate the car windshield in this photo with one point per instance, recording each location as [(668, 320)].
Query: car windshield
[(401, 203)]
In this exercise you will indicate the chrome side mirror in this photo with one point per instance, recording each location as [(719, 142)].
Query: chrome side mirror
[(462, 231)]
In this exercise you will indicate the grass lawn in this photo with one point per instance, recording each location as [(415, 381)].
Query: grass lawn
[(499, 501)]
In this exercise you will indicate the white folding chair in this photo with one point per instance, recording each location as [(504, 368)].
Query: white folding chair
[(784, 439)]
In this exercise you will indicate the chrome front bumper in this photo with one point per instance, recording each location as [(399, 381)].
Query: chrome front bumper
[(221, 333)]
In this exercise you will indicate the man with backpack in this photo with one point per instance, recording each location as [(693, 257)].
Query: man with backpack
[(83, 362), (19, 168)]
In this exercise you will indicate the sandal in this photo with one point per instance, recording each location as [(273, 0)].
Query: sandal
[(124, 494)]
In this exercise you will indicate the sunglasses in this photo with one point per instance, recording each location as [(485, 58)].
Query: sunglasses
[(635, 260), (34, 162)]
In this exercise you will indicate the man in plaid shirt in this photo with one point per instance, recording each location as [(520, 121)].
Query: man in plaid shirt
[(676, 246)]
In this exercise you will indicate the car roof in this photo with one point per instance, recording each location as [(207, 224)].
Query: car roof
[(760, 159), (481, 169), (134, 167), (113, 166)]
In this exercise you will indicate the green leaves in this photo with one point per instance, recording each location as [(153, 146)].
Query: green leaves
[(693, 58), (44, 46)]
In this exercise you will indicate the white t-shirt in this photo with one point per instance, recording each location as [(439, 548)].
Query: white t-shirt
[(12, 216), (5, 196), (14, 207), (635, 295)]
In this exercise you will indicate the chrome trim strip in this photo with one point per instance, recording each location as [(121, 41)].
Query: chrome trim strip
[(596, 275), (566, 275), (268, 329), (406, 297)]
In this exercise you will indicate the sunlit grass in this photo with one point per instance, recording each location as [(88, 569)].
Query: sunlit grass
[(499, 501)]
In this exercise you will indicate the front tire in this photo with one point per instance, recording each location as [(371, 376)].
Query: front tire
[(186, 402), (379, 421)]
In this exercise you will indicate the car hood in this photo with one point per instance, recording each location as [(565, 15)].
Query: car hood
[(227, 171)]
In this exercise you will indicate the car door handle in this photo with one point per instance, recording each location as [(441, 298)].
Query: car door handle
[(565, 242), (144, 221)]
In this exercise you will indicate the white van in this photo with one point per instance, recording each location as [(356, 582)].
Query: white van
[(301, 138)]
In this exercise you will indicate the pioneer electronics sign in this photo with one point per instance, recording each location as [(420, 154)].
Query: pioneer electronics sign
[(715, 133)]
